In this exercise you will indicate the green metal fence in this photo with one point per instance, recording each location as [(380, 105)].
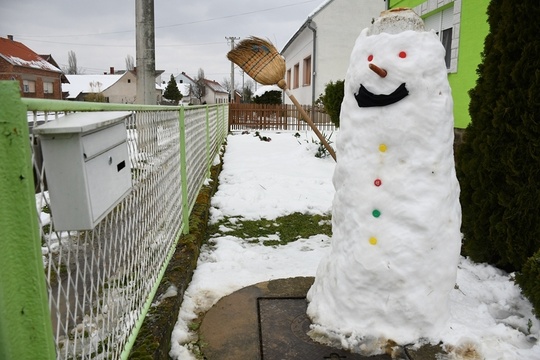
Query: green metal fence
[(84, 294)]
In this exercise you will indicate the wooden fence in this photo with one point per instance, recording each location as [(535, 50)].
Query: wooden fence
[(275, 117)]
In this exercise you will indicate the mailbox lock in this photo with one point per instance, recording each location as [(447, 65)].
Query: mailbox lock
[(110, 160)]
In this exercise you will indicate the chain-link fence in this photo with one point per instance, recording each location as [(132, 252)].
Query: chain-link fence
[(101, 282)]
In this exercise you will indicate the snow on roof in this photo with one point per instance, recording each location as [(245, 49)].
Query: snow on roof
[(88, 84), (319, 8), (266, 88), (215, 86), (18, 54)]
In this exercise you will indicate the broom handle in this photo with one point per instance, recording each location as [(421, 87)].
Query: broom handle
[(311, 124)]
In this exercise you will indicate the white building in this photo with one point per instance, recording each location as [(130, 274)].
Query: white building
[(319, 51), (116, 87)]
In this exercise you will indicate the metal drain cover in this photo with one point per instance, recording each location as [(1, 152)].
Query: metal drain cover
[(283, 325)]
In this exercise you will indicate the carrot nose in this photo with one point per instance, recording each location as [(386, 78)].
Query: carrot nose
[(377, 70)]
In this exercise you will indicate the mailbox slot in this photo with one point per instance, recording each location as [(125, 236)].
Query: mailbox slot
[(98, 142)]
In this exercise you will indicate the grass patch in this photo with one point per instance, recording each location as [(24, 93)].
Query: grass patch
[(280, 231)]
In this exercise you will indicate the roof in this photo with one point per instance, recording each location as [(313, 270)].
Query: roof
[(17, 54), (53, 62), (215, 86), (82, 84), (306, 23)]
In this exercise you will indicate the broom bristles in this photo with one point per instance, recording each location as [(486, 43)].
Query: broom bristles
[(259, 59)]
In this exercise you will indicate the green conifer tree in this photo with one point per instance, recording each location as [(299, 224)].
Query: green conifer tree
[(172, 92), (498, 165)]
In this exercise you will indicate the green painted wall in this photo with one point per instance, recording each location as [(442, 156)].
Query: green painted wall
[(473, 30)]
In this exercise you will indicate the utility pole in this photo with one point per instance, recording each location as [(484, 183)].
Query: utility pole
[(231, 39), (146, 52)]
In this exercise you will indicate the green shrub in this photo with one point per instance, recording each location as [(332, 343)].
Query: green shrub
[(332, 99), (529, 280), (269, 97)]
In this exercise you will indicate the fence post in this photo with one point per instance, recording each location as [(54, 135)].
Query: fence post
[(183, 170), (224, 124), (25, 328), (208, 160)]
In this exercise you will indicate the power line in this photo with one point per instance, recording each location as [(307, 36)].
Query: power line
[(234, 15), (174, 25), (116, 45)]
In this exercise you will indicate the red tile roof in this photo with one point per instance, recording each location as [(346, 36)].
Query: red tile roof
[(18, 54)]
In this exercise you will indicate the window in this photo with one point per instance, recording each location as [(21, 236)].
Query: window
[(289, 77), (446, 39), (48, 88), (442, 23), (29, 86), (296, 76), (307, 71)]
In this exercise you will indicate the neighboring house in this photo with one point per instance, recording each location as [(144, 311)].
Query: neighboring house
[(237, 97), (187, 93), (115, 87), (215, 93), (319, 51), (184, 78), (38, 77), (185, 85), (462, 26)]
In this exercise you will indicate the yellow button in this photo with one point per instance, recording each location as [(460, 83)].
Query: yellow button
[(382, 148), (373, 241)]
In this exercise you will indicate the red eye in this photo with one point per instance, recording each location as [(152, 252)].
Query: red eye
[(370, 58), (403, 54)]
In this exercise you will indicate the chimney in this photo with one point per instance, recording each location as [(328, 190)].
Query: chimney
[(111, 70), (10, 37)]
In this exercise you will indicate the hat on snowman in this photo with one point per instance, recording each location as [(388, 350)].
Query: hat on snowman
[(396, 20)]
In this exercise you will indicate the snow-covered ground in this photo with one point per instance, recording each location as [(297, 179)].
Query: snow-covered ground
[(271, 179)]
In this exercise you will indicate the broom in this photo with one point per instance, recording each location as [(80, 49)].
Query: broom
[(261, 60)]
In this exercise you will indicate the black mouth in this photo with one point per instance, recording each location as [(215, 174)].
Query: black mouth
[(365, 98)]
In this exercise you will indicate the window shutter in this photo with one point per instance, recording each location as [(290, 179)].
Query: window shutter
[(433, 22), (448, 18)]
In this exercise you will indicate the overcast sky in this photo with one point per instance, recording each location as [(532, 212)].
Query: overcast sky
[(189, 34)]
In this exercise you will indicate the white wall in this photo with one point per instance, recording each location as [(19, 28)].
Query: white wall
[(338, 25), (303, 47), (124, 91)]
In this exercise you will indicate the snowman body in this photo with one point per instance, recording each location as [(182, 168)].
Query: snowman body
[(396, 214)]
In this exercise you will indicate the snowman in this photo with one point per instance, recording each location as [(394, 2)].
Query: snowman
[(396, 214)]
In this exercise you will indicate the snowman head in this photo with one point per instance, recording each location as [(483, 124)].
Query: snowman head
[(392, 59)]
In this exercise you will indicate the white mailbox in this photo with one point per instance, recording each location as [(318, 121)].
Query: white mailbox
[(87, 166)]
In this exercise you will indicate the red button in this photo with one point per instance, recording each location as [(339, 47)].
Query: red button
[(378, 182)]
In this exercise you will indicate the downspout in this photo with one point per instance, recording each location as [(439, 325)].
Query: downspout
[(313, 60)]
